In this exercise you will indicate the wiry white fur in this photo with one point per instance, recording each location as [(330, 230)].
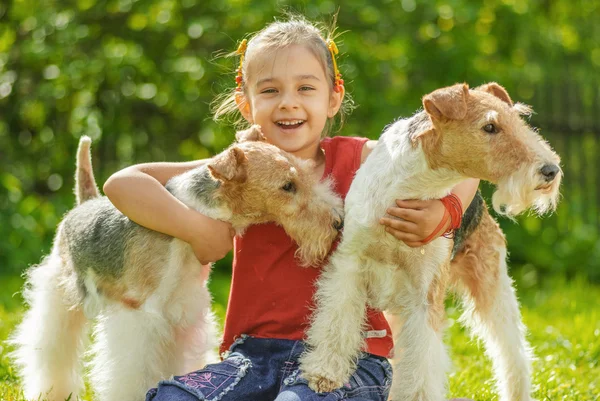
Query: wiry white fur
[(517, 192), (172, 333), (337, 343), (373, 268), (422, 356), (51, 338), (395, 169), (504, 334), (93, 302)]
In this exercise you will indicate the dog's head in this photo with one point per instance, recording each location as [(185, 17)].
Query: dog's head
[(481, 133), (255, 182)]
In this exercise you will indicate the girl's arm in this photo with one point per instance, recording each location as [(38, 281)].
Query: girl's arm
[(421, 218), (139, 193)]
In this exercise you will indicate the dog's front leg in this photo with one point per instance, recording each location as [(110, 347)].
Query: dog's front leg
[(335, 337), (420, 355), (132, 352)]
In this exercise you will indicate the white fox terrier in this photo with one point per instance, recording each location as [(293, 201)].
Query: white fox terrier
[(461, 133), (146, 290)]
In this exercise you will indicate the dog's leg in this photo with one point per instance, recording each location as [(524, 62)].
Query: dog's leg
[(197, 337), (51, 338), (491, 308), (136, 348), (421, 360), (335, 337), (199, 343), (131, 353)]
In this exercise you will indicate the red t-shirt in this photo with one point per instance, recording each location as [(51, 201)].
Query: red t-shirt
[(271, 295)]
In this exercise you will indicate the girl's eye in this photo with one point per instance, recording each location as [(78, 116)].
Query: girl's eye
[(306, 88), (490, 129), (269, 90), (289, 187)]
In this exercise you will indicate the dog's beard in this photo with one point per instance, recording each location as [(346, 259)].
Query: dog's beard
[(518, 192)]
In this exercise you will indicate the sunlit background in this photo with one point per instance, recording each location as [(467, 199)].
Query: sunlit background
[(139, 77)]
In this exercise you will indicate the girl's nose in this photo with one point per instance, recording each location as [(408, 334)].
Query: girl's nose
[(288, 101)]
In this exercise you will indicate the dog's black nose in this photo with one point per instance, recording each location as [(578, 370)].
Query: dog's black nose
[(549, 171), (338, 223)]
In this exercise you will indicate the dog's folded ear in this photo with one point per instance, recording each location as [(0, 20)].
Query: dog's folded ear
[(496, 90), (449, 102), (254, 133), (229, 166)]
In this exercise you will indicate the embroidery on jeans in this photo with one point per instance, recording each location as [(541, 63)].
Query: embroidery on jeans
[(200, 380), (211, 382)]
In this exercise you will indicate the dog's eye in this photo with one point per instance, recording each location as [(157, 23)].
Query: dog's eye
[(289, 187), (490, 129)]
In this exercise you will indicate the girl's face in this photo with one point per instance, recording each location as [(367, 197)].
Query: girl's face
[(290, 97)]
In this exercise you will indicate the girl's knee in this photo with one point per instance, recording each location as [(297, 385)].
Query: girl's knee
[(219, 381)]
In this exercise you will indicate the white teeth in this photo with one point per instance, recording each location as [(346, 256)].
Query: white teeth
[(293, 122)]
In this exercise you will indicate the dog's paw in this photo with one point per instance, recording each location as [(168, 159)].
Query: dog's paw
[(322, 384), (324, 372)]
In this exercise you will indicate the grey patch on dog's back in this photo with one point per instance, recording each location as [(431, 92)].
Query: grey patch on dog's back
[(97, 235), (201, 186), (470, 221), (419, 122)]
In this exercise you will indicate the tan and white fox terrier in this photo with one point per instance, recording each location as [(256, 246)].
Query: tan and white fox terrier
[(461, 133), (145, 290)]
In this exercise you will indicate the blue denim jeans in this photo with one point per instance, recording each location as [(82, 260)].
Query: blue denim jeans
[(259, 369)]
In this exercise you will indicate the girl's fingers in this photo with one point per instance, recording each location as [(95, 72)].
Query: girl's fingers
[(400, 225), (406, 214), (402, 236)]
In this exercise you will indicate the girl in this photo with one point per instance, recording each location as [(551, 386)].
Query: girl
[(288, 84)]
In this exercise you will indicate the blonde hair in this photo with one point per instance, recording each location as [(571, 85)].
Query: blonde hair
[(296, 30)]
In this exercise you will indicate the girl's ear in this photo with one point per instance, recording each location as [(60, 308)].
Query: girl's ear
[(335, 101), (243, 106)]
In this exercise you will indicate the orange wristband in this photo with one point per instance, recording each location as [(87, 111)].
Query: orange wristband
[(453, 211), (439, 226), (453, 205)]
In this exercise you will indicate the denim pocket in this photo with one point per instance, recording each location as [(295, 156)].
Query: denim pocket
[(213, 381)]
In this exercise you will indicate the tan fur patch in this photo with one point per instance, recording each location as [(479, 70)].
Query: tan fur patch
[(447, 103), (475, 268), (497, 91), (281, 188), (436, 297), (445, 142)]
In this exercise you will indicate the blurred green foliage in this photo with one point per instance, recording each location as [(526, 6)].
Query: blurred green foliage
[(139, 76)]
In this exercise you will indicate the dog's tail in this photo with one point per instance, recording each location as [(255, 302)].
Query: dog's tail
[(85, 183)]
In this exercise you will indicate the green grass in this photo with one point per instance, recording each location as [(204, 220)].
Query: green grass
[(564, 329), (563, 320)]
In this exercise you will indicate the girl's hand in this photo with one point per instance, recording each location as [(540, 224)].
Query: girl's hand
[(415, 220), (213, 244)]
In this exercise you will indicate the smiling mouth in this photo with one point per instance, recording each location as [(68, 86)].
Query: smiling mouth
[(290, 124)]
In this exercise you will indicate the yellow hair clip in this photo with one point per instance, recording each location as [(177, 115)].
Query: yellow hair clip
[(241, 51), (333, 49)]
